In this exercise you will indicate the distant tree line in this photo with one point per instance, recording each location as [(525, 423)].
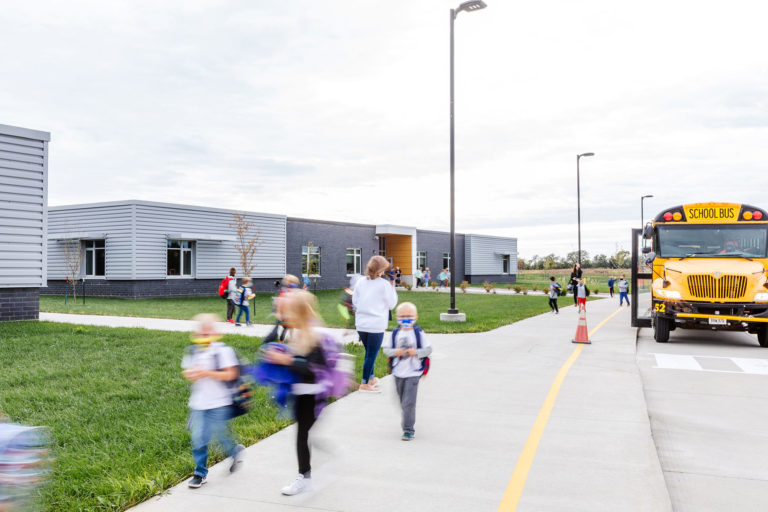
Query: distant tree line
[(621, 259)]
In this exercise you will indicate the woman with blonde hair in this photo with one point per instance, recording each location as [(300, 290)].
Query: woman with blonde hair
[(373, 299), (297, 311)]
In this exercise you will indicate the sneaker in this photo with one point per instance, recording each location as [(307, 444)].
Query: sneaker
[(230, 321), (237, 324), (196, 481), (237, 458), (367, 388), (407, 436), (301, 484), (373, 381)]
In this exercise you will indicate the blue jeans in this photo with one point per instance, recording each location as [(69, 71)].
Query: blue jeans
[(622, 296), (372, 343), (206, 425), (247, 311)]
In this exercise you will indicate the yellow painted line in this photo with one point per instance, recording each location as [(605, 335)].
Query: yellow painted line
[(520, 474), (724, 317)]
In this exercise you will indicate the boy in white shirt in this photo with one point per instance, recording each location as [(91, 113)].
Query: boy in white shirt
[(210, 365), (407, 347)]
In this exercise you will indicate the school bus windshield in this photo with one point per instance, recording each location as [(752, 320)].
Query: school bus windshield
[(711, 241)]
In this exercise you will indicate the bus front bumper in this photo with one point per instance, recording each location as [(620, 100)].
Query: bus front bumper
[(708, 315)]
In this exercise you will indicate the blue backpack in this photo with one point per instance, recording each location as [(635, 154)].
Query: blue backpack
[(425, 361)]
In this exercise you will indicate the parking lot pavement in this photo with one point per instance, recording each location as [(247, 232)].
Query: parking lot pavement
[(477, 410), (706, 396)]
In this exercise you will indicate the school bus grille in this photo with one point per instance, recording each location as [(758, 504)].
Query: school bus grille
[(706, 286)]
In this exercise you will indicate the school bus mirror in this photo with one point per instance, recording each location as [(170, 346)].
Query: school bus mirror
[(648, 232), (649, 258)]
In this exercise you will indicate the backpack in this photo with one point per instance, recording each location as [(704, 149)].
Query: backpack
[(224, 287), (425, 361), (241, 387), (241, 291), (336, 376)]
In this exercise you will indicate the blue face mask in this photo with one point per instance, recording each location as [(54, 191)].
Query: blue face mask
[(405, 322)]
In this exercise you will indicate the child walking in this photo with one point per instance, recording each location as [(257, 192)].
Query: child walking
[(623, 291), (287, 285), (582, 292), (304, 357), (209, 365), (245, 293), (407, 347), (554, 293)]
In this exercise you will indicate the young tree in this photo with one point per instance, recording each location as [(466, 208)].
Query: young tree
[(73, 253), (248, 241)]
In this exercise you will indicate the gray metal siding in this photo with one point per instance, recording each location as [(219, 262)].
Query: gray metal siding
[(483, 257), (212, 259), (113, 221), (23, 200)]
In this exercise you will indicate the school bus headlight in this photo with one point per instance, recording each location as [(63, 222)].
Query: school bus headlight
[(761, 297), (668, 294)]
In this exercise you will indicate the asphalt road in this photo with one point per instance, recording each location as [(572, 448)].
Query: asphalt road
[(706, 398)]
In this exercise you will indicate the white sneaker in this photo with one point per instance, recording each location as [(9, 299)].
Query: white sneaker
[(299, 485)]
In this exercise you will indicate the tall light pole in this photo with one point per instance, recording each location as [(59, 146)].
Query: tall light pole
[(472, 5), (642, 217), (578, 198)]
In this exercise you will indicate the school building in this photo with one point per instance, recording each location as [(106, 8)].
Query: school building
[(140, 249), (23, 204)]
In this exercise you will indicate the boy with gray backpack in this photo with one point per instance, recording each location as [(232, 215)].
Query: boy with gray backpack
[(554, 293)]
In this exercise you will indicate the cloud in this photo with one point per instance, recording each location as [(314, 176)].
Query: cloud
[(339, 110)]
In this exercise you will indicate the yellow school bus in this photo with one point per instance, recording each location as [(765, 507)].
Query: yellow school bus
[(710, 270)]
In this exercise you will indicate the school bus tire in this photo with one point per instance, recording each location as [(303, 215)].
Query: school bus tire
[(762, 335), (661, 329)]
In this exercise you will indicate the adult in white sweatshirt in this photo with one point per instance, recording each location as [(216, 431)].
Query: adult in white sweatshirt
[(373, 299)]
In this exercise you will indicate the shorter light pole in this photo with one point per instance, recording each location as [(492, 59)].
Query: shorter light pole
[(642, 217)]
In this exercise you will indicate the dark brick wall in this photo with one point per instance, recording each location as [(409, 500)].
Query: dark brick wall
[(333, 239), (147, 289), (19, 304), (496, 278), (436, 243)]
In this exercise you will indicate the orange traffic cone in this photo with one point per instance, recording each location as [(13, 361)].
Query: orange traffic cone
[(582, 334)]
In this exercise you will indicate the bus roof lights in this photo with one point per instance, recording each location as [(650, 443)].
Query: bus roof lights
[(757, 215), (677, 215), (668, 216), (747, 215)]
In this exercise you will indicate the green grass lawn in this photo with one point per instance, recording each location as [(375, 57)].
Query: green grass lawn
[(116, 404), (484, 312)]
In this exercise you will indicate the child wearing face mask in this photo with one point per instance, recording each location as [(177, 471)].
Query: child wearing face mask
[(407, 347)]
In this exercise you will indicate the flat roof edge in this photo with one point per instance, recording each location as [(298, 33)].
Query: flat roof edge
[(26, 133), (177, 206)]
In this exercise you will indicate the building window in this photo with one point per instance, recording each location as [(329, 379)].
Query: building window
[(310, 260), (94, 258), (354, 261), (382, 246), (421, 259), (180, 258), (505, 264), (446, 260)]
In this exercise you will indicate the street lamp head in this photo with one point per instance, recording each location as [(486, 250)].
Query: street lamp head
[(471, 5), (645, 197), (586, 154)]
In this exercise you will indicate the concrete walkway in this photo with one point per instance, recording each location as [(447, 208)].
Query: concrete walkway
[(476, 410)]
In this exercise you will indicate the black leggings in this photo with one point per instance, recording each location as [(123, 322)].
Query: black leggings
[(305, 418), (553, 304)]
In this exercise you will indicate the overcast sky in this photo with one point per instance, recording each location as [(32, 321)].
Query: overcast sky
[(338, 110)]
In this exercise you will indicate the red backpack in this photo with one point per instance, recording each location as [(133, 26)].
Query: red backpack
[(224, 286)]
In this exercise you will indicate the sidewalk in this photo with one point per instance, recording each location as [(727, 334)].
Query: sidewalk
[(475, 413), (161, 324)]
